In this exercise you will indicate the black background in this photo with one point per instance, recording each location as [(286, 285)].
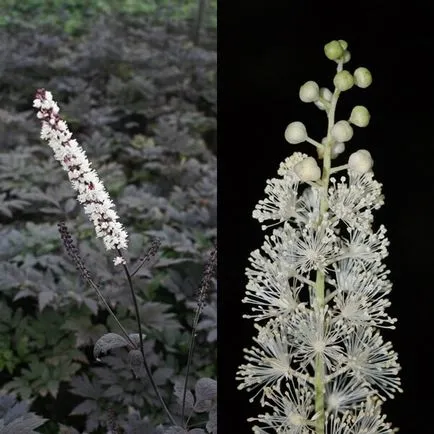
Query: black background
[(266, 51)]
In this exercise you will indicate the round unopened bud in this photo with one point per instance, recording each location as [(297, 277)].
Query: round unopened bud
[(337, 149), (308, 170), (295, 133), (344, 44), (309, 92), (360, 116), (342, 131), (362, 77), (346, 57), (360, 161), (343, 80), (333, 50)]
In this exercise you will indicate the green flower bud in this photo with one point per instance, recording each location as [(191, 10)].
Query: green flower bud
[(360, 116), (309, 92), (333, 50), (346, 56), (343, 80), (360, 161), (342, 131), (295, 133), (344, 44), (362, 77)]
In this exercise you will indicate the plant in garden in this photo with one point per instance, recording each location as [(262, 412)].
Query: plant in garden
[(318, 288), (100, 208)]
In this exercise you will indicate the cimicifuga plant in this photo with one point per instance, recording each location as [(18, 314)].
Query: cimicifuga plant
[(97, 204), (318, 287)]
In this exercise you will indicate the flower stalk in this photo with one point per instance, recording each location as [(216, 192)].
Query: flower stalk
[(319, 362)]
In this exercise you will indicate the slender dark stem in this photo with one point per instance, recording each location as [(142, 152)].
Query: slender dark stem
[(203, 289), (145, 363), (155, 245), (190, 356), (111, 312)]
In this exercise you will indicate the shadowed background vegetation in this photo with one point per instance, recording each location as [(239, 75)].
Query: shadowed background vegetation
[(136, 83)]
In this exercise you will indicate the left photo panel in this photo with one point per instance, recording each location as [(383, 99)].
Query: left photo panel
[(108, 217)]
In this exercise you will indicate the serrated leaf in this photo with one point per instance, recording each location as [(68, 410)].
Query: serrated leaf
[(83, 386), (91, 304), (44, 298), (86, 407), (24, 425), (24, 293), (108, 342), (114, 390), (53, 387), (15, 411)]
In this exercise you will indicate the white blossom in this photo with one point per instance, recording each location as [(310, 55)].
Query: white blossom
[(314, 332), (365, 247), (280, 203), (269, 361), (360, 296), (274, 295), (91, 192), (368, 420), (353, 200), (344, 393), (372, 360), (292, 412)]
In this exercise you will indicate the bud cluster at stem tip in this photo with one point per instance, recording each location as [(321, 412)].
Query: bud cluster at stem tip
[(341, 131)]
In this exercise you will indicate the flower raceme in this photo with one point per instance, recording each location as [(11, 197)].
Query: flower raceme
[(318, 288), (91, 192)]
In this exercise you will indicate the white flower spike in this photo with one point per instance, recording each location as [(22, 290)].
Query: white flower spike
[(84, 180), (318, 287)]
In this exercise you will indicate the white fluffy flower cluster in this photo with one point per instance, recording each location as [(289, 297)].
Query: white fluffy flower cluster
[(318, 293), (91, 192)]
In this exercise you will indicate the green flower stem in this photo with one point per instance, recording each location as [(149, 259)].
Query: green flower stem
[(320, 276)]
